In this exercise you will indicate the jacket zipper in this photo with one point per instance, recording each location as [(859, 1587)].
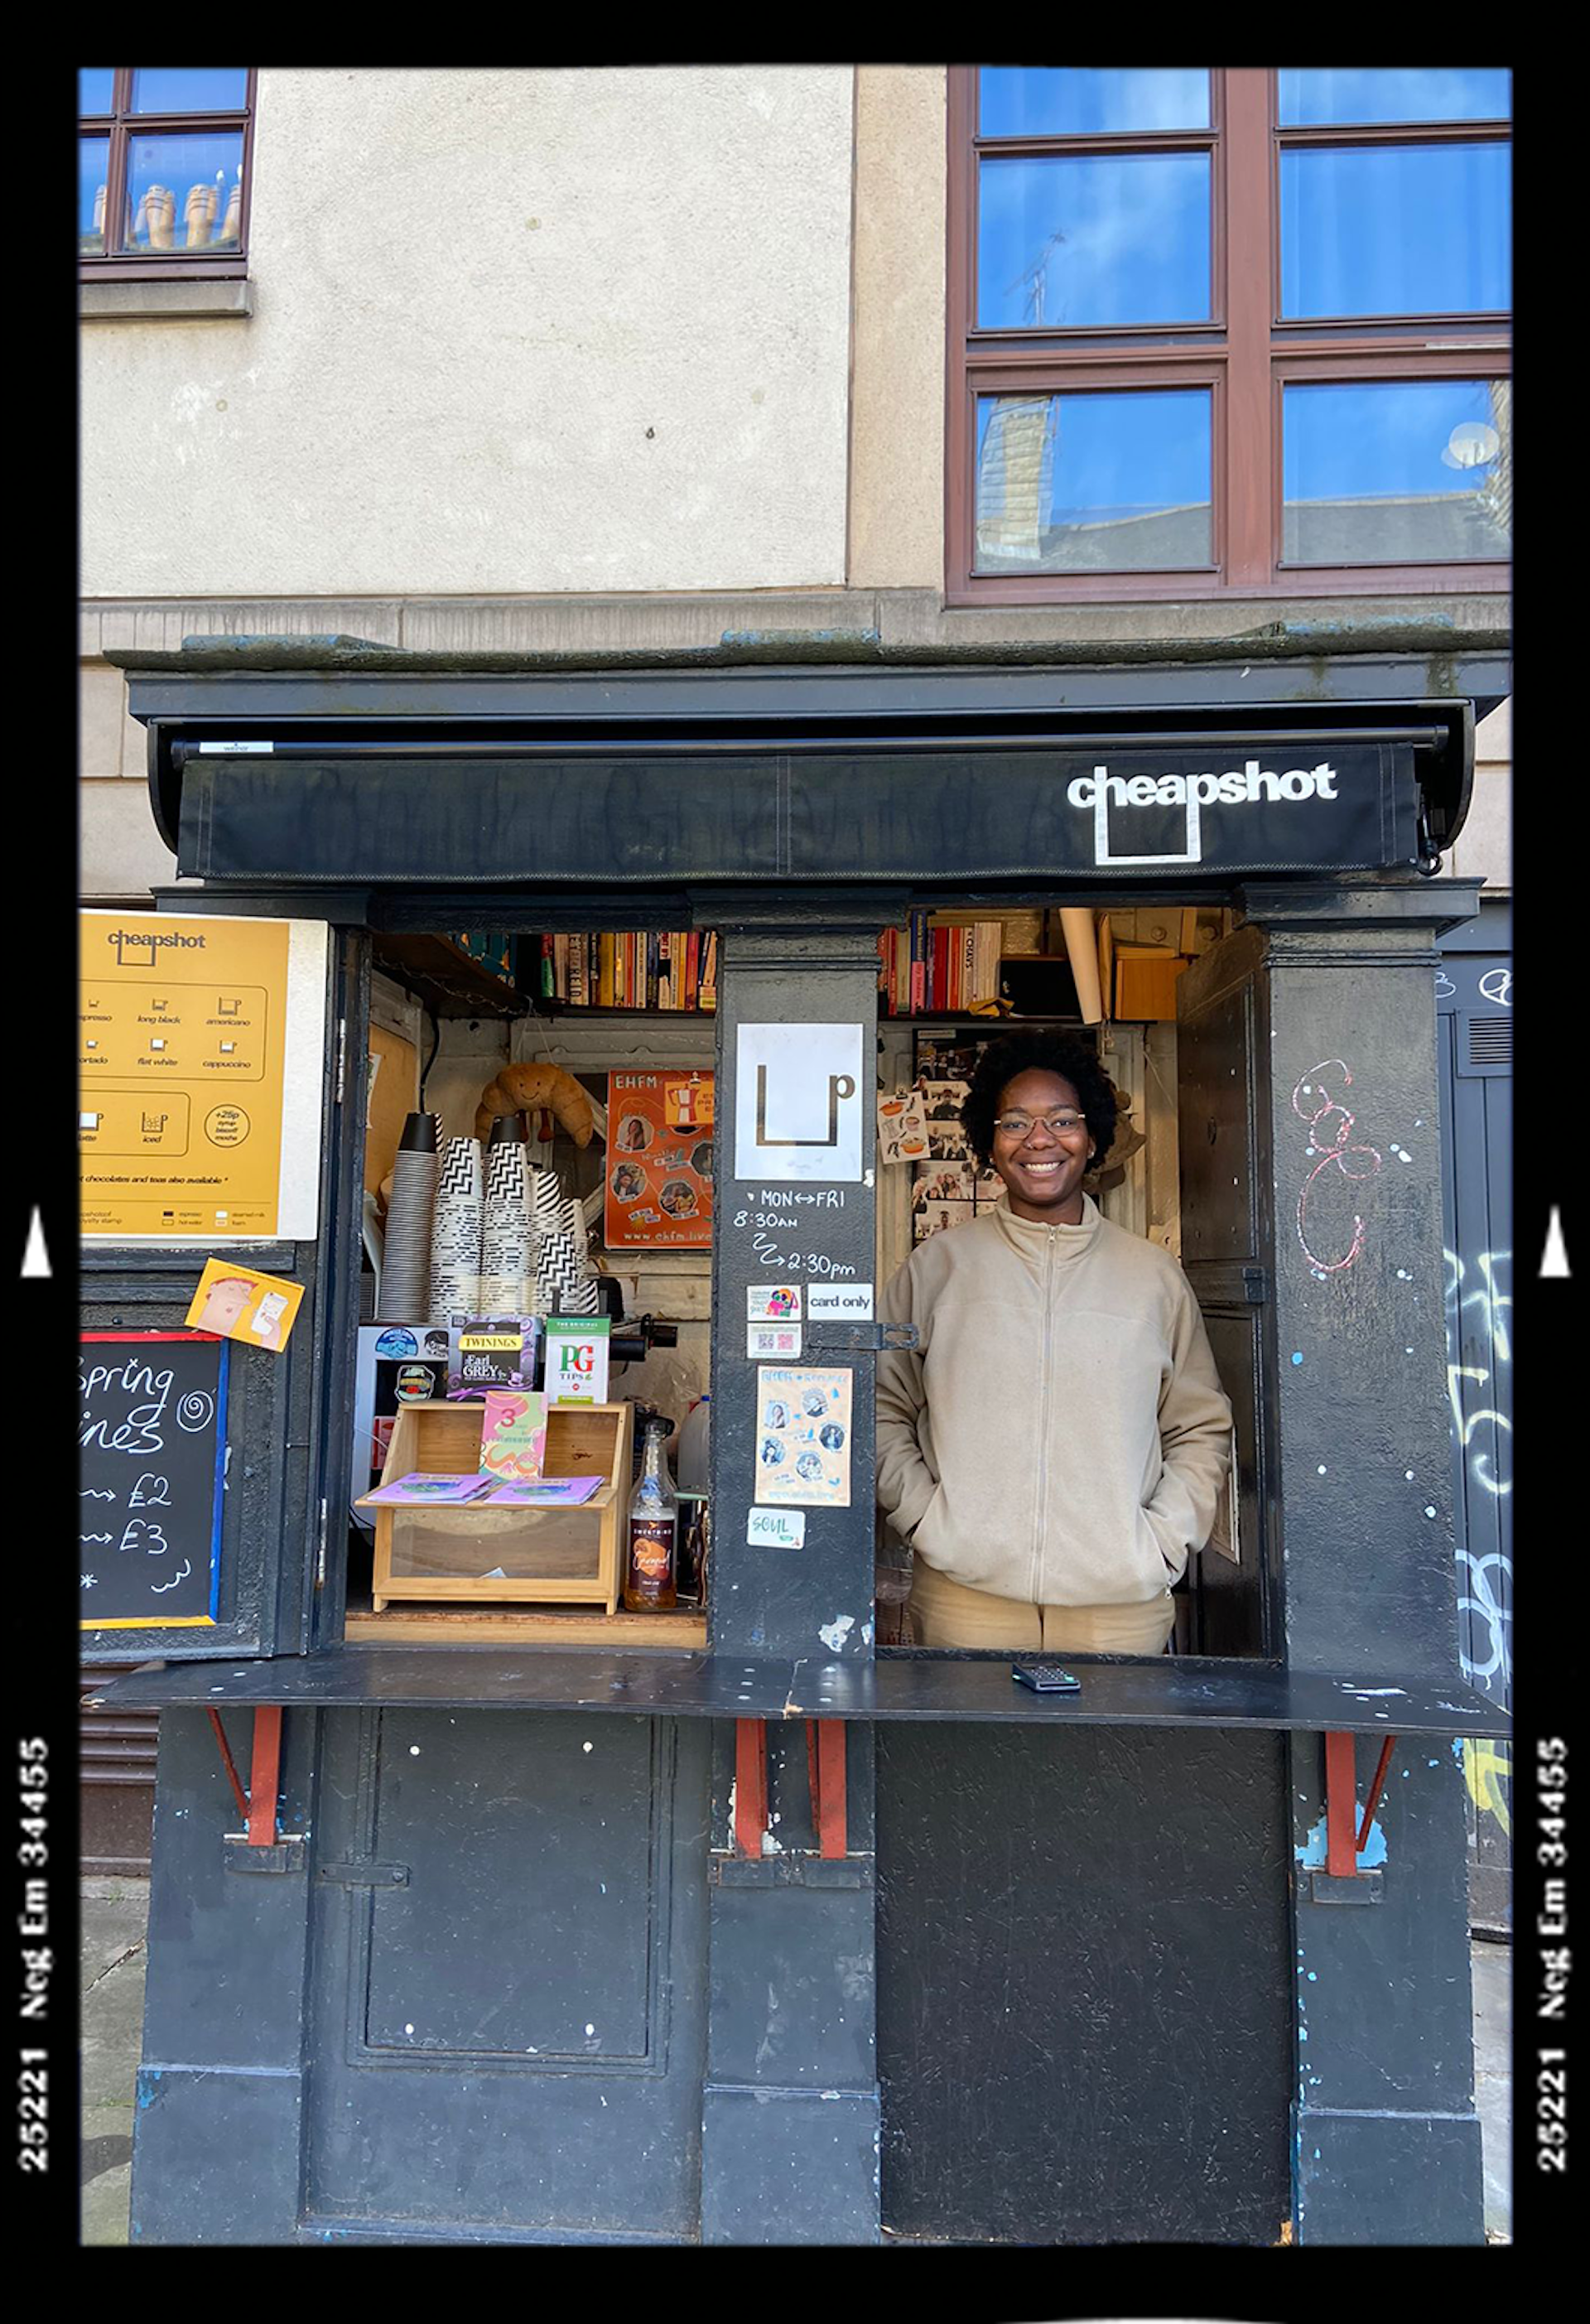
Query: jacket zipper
[(1038, 1513)]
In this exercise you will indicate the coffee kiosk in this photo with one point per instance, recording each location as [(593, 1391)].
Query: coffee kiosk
[(782, 1933)]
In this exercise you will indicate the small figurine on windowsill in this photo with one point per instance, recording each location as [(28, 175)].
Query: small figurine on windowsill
[(157, 218), (199, 215)]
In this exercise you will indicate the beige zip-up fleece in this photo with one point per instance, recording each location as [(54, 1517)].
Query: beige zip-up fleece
[(1060, 1434)]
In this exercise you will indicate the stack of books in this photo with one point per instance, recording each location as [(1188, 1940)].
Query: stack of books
[(937, 966), (631, 968)]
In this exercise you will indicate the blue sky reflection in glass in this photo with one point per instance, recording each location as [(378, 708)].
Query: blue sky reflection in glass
[(1095, 240), (1396, 230), (1090, 100)]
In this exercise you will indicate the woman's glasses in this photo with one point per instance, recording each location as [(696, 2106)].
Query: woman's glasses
[(1022, 1125)]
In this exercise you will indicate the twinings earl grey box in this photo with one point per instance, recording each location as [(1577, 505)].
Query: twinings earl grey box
[(487, 1352)]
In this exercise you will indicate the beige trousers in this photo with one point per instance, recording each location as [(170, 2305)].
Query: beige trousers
[(946, 1613)]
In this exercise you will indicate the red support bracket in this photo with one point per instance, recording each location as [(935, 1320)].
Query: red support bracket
[(1343, 1846), (1341, 1849), (265, 1775), (238, 1793), (257, 1806), (750, 1785), (1373, 1801), (825, 1761)]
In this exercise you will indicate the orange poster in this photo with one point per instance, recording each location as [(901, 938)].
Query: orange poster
[(201, 1050), (659, 1162)]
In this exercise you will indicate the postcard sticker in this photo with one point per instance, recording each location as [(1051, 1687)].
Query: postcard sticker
[(782, 1341), (777, 1529), (778, 1303), (241, 1304), (803, 1437), (902, 1128)]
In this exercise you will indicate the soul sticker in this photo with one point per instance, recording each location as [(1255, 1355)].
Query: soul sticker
[(777, 1529)]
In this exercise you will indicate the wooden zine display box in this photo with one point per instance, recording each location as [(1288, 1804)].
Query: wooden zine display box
[(480, 1554)]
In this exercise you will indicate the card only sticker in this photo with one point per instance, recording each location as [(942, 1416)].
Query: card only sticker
[(776, 1303), (853, 1300), (775, 1529), (779, 1340)]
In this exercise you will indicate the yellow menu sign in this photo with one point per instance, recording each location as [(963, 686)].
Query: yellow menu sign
[(185, 1031)]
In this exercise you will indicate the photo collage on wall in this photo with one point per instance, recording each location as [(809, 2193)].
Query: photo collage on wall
[(948, 1189)]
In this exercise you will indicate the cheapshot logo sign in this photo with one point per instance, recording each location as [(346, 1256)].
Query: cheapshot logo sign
[(1356, 808)]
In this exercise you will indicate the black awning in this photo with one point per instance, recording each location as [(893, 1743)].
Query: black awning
[(1188, 808)]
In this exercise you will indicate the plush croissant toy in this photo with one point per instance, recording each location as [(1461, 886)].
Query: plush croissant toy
[(521, 1089)]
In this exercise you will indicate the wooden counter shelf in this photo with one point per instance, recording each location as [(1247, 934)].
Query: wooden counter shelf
[(497, 1555), (685, 1631)]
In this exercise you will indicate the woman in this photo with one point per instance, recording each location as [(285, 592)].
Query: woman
[(1054, 1446)]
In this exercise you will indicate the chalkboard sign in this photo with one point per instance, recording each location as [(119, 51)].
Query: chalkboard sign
[(151, 1430)]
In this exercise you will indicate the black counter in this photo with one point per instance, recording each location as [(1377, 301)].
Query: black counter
[(1175, 1691)]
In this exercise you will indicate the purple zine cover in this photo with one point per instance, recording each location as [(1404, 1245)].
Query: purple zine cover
[(426, 1487), (549, 1492)]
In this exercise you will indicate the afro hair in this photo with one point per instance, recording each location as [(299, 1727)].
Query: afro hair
[(1049, 1053)]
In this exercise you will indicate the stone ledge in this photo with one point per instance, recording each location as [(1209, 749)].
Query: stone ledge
[(856, 626), (164, 300)]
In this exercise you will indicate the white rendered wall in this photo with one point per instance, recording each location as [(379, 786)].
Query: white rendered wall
[(514, 331)]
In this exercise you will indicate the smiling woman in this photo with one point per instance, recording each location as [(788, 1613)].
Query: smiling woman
[(1054, 1446)]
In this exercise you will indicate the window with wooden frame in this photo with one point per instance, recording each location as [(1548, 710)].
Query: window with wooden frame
[(1222, 331), (164, 170)]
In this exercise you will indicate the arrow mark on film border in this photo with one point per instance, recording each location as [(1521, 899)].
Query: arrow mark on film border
[(36, 1258)]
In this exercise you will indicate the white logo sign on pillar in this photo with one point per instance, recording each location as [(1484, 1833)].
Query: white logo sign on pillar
[(798, 1102)]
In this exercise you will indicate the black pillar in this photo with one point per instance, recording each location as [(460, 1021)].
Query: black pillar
[(1386, 2143), (790, 2108)]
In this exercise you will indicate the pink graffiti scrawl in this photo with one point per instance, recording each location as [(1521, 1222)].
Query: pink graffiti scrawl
[(1332, 1154)]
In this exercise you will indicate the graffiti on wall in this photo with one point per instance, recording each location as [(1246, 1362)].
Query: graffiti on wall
[(1478, 1309), (1331, 1148), (1483, 1433)]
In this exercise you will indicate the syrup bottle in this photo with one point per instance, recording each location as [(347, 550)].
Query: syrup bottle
[(650, 1564)]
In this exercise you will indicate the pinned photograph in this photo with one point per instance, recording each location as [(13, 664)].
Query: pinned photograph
[(953, 1182), (934, 1218), (946, 1139)]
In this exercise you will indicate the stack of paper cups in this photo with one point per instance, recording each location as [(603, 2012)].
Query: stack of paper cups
[(405, 1280), (585, 1298), (559, 1258), (545, 1203), (455, 1232), (505, 1232), (564, 1284)]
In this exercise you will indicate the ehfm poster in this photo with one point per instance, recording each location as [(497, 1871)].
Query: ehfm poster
[(659, 1162)]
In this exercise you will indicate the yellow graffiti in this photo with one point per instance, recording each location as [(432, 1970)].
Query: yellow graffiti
[(1487, 1767)]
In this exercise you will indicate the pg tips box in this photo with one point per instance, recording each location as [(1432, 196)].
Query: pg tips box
[(576, 1358)]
